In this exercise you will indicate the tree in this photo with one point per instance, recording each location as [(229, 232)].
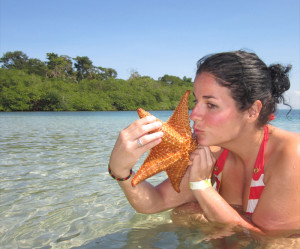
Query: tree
[(105, 73), (36, 66), (14, 60), (59, 66), (134, 75), (172, 80), (185, 79), (84, 67)]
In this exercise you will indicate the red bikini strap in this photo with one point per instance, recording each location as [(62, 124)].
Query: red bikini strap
[(220, 162), (260, 160)]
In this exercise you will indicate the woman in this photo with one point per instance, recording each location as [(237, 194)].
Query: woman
[(256, 165)]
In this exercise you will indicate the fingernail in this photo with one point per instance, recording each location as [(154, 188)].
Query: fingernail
[(159, 124), (152, 118)]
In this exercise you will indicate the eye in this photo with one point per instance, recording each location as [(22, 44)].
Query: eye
[(211, 106)]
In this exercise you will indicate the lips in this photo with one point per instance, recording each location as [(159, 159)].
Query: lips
[(197, 132)]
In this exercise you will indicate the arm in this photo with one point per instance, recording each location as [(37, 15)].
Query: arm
[(144, 197), (215, 208)]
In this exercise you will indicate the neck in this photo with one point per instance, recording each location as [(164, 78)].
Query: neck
[(246, 146)]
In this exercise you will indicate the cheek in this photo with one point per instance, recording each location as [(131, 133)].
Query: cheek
[(218, 119)]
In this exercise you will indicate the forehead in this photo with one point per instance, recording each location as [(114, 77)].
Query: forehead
[(206, 84)]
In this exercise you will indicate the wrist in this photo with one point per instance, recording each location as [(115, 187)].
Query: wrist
[(119, 177), (200, 185)]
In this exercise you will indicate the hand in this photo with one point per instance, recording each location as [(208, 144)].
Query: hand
[(202, 162), (127, 151)]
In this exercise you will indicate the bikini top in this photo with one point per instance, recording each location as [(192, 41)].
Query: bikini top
[(257, 182)]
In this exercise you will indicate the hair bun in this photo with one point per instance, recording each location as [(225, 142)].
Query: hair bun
[(280, 79)]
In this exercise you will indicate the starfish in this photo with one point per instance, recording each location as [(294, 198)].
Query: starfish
[(172, 154)]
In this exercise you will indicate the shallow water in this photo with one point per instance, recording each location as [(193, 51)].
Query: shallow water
[(56, 192)]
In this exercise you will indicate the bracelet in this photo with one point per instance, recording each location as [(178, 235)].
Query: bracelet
[(201, 184), (118, 178)]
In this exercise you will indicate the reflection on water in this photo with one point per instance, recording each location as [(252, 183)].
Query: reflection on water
[(56, 192), (169, 236)]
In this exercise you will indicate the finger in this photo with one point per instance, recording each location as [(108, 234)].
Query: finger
[(142, 121), (148, 138), (210, 157), (198, 152), (136, 130), (203, 156), (195, 159), (149, 141), (145, 129), (194, 154), (151, 145)]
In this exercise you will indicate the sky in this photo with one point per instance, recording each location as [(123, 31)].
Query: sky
[(154, 37)]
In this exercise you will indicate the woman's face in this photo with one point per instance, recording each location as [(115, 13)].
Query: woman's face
[(216, 118)]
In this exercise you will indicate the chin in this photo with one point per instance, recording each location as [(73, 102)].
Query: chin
[(201, 142), (204, 142)]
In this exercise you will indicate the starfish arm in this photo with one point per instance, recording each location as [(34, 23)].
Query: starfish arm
[(193, 145), (180, 119), (142, 113), (153, 166), (176, 172)]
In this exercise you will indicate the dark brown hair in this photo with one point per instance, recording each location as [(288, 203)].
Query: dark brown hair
[(249, 79)]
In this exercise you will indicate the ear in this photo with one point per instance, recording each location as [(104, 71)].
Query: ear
[(254, 110)]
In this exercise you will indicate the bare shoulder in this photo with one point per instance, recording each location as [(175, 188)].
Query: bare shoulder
[(283, 150), (279, 202), (282, 161)]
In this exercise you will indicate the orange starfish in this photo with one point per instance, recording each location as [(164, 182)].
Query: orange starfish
[(172, 154)]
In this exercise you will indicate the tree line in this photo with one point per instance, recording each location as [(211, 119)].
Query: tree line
[(63, 83)]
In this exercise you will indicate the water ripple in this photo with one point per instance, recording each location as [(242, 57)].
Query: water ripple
[(56, 192)]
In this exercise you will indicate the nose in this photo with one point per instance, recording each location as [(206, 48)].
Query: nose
[(196, 113)]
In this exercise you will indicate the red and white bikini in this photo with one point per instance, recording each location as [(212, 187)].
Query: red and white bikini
[(257, 182)]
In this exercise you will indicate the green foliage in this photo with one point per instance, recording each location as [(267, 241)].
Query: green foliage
[(54, 85), (84, 67), (59, 66), (14, 60), (36, 66)]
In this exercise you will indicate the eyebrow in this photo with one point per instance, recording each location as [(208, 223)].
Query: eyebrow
[(209, 97), (206, 96)]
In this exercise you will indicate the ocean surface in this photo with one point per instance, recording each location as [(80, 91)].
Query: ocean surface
[(55, 191)]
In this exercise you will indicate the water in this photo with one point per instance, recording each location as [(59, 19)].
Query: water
[(56, 192)]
